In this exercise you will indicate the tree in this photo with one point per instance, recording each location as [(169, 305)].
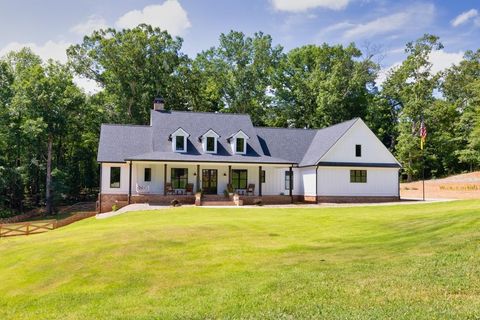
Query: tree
[(133, 66), (410, 87), (238, 74), (317, 86), (46, 100)]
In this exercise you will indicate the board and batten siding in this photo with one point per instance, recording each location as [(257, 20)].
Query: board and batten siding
[(335, 181), (373, 150), (105, 188)]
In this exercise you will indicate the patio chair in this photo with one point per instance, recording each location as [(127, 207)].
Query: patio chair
[(251, 189), (168, 188), (142, 189), (189, 188)]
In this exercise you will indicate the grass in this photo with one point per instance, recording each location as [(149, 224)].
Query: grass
[(390, 262)]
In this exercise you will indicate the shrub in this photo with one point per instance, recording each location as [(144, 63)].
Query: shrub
[(114, 207), (258, 202)]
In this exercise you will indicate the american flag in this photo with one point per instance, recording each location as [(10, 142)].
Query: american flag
[(423, 134)]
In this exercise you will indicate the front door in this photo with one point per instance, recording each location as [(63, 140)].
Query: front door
[(209, 181)]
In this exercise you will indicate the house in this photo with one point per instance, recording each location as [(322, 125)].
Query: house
[(181, 153)]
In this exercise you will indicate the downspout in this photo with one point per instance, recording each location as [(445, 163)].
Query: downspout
[(291, 183), (316, 184), (100, 191), (129, 181)]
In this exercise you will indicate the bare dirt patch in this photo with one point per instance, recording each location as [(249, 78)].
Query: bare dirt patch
[(462, 186)]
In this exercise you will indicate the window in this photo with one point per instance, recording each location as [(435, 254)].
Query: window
[(358, 176), (179, 178), (262, 177), (179, 143), (210, 144), (239, 179), (288, 178), (240, 145), (358, 150), (114, 177), (147, 174)]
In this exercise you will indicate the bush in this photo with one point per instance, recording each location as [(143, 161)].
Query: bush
[(258, 202), (175, 203), (6, 213), (114, 207)]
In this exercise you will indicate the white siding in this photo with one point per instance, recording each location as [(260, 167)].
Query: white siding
[(308, 175), (105, 188), (373, 150), (335, 181), (275, 181)]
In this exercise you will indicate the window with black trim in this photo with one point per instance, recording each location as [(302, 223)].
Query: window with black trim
[(358, 150), (147, 174), (179, 143), (239, 179), (114, 177), (211, 144), (240, 145), (262, 177), (179, 178), (288, 177), (358, 176)]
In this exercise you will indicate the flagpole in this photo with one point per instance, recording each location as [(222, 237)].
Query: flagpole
[(423, 173)]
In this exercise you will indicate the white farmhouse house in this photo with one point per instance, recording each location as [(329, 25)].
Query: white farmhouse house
[(204, 158)]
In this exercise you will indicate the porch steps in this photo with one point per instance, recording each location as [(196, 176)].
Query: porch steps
[(216, 200)]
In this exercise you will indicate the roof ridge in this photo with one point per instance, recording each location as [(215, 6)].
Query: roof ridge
[(203, 112), (125, 125), (312, 129), (281, 128)]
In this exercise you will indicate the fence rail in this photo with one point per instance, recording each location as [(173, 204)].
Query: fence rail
[(26, 228)]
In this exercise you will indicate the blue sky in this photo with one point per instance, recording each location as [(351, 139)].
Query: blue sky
[(50, 26)]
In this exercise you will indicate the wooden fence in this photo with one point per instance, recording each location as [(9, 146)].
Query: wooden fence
[(32, 227), (26, 228)]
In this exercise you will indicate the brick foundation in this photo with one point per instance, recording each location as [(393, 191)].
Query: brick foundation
[(357, 199), (121, 200)]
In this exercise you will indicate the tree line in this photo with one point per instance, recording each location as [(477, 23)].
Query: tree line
[(49, 128)]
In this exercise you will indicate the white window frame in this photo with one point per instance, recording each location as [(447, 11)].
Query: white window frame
[(210, 134), (233, 142), (179, 133)]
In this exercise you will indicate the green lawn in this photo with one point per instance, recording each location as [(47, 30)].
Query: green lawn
[(391, 262)]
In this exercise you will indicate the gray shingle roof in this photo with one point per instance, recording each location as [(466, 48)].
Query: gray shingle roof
[(119, 143)]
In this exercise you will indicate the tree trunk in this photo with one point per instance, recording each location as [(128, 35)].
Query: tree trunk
[(48, 185)]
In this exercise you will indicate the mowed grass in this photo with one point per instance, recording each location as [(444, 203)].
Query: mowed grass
[(387, 262)]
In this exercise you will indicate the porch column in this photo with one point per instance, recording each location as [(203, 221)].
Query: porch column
[(260, 181), (290, 173), (165, 179), (198, 178), (129, 181)]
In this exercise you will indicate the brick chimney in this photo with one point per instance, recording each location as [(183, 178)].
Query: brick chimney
[(158, 104)]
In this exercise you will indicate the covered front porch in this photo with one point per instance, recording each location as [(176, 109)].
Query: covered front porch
[(181, 178)]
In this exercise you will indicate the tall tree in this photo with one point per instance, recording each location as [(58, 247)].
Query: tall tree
[(238, 74), (133, 66), (411, 86), (317, 86)]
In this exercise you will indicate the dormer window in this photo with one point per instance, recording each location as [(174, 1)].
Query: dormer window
[(210, 144), (179, 140), (240, 145), (238, 142), (209, 141)]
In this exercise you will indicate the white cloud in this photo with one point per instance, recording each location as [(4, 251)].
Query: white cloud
[(304, 5), (464, 17), (89, 86), (442, 60), (168, 16), (87, 27), (439, 59), (48, 50), (411, 18)]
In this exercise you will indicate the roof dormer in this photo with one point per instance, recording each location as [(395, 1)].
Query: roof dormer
[(238, 142), (179, 140), (209, 141)]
